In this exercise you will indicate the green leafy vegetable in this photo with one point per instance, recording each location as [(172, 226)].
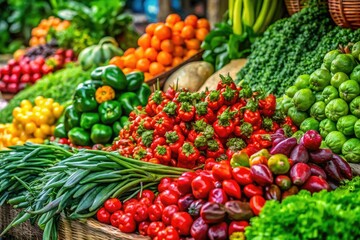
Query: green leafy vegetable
[(325, 215)]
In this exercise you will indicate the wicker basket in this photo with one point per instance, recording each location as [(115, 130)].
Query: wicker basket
[(164, 76), (92, 230), (294, 6), (345, 13), (24, 231)]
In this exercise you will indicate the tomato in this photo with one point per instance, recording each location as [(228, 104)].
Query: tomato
[(141, 213), (127, 223), (154, 228), (146, 201), (182, 222), (155, 212), (131, 208), (256, 204), (143, 227), (113, 204), (103, 216), (114, 218), (169, 197), (168, 213), (146, 194), (130, 201), (169, 233), (158, 200), (164, 184)]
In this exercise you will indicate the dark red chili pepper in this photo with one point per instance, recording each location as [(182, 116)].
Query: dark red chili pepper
[(218, 195), (215, 100)]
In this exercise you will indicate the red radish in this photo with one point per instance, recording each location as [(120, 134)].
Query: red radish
[(25, 69), (6, 78), (35, 77), (26, 78), (35, 68), (13, 78), (16, 70), (13, 87), (312, 140), (5, 70)]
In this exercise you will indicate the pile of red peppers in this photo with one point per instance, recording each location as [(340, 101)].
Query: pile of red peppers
[(184, 129)]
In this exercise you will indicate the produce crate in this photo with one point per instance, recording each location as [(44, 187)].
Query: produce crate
[(164, 76)]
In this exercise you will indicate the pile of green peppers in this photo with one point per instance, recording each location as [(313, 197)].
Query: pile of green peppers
[(221, 45), (86, 122)]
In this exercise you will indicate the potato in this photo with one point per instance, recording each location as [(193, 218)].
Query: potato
[(231, 68), (192, 75)]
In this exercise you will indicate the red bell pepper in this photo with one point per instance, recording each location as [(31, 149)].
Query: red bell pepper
[(171, 108), (230, 95), (251, 190), (237, 226), (267, 105), (175, 139), (262, 138), (214, 148), (157, 141), (185, 128), (226, 81), (155, 99), (188, 154), (242, 175), (162, 124), (215, 100), (163, 153), (232, 188), (244, 130), (204, 112), (201, 142), (186, 112), (224, 126), (201, 187), (234, 145), (222, 170), (254, 118)]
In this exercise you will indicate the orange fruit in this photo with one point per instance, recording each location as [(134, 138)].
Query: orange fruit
[(147, 76), (130, 61), (177, 39), (191, 20), (143, 64), (156, 68), (144, 41), (193, 44), (188, 32), (150, 54), (34, 41), (127, 70), (155, 43), (129, 51), (177, 61), (117, 61), (173, 18), (164, 58), (201, 33), (151, 28), (167, 46), (168, 68), (178, 26), (162, 32), (139, 52), (178, 51), (191, 53), (203, 23)]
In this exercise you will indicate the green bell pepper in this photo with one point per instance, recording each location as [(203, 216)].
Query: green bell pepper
[(88, 119), (239, 159), (97, 73), (84, 99), (110, 111), (72, 118), (91, 83), (101, 133), (129, 101), (60, 131), (134, 81), (79, 136), (143, 94), (114, 77)]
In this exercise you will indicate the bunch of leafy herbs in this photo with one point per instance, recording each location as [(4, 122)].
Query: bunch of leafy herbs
[(324, 215), (293, 46), (59, 86)]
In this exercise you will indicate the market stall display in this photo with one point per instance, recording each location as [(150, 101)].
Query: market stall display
[(109, 148)]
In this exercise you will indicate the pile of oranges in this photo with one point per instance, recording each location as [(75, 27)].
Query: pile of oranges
[(164, 45), (38, 34)]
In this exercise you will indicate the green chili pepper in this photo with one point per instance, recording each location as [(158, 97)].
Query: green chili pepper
[(129, 101), (134, 81), (143, 94), (88, 119)]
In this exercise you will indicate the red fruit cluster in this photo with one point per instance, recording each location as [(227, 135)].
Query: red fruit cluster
[(17, 74), (184, 129)]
